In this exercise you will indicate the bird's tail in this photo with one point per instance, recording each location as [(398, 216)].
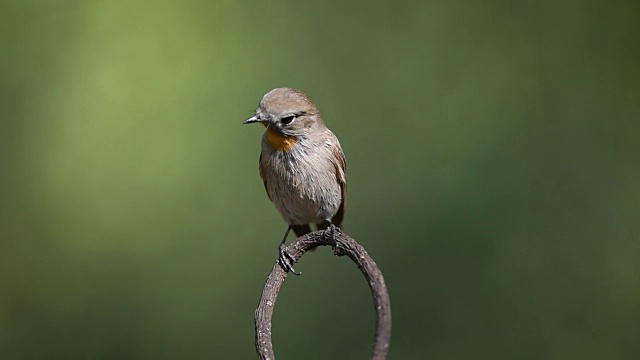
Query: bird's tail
[(301, 229)]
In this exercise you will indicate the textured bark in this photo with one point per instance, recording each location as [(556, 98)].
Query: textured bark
[(345, 246)]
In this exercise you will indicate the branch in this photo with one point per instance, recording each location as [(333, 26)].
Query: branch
[(345, 246)]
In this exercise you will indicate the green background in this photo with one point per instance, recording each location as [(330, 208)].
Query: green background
[(492, 152)]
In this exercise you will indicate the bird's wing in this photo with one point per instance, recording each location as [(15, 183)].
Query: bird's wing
[(341, 175), (263, 177)]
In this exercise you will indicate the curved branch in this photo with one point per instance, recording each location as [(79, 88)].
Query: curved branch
[(345, 246)]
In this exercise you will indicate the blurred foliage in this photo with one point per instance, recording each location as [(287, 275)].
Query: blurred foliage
[(492, 152)]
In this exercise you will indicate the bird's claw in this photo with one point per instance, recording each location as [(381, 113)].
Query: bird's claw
[(330, 233), (286, 260)]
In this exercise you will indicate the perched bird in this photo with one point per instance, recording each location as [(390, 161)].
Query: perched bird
[(301, 164)]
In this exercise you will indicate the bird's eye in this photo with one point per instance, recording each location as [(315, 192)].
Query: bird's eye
[(287, 119)]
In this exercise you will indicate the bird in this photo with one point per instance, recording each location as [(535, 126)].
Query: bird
[(302, 166)]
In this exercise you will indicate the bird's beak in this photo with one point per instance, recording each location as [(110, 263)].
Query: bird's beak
[(252, 119)]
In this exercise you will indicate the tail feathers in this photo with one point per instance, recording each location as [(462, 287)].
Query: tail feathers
[(325, 224), (301, 229), (305, 229)]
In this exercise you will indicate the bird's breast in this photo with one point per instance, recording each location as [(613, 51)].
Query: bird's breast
[(302, 182), (280, 142)]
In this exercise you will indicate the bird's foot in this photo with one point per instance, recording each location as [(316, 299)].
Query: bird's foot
[(330, 234), (286, 260)]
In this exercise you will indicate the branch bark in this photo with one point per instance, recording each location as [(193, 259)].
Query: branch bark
[(345, 246)]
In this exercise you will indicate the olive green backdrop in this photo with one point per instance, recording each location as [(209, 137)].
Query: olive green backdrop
[(493, 171)]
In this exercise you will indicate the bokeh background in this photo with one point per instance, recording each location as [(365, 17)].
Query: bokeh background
[(492, 152)]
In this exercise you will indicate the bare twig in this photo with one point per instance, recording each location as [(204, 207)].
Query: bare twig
[(345, 246)]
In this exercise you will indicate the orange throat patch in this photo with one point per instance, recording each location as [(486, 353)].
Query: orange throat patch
[(280, 142)]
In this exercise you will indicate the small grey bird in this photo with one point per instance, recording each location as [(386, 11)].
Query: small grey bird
[(302, 165)]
